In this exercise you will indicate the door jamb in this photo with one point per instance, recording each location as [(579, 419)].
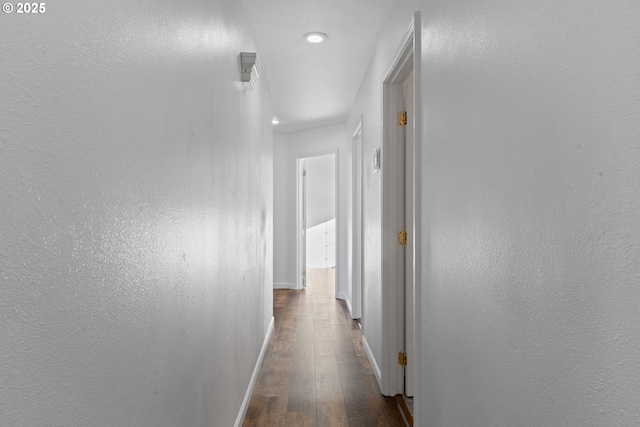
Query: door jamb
[(300, 222), (406, 60), (357, 276)]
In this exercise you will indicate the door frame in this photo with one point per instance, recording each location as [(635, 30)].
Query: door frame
[(301, 219), (299, 158), (357, 278), (406, 60)]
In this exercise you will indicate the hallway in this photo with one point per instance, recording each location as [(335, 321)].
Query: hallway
[(315, 371)]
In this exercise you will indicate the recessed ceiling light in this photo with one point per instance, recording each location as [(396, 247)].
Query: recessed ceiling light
[(315, 37), (275, 121)]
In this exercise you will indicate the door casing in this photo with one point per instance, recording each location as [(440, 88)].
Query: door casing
[(393, 266), (301, 224), (357, 271)]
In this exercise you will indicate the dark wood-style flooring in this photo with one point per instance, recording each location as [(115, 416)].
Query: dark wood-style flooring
[(315, 371)]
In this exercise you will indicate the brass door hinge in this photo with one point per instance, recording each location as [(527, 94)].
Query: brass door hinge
[(402, 118), (402, 238), (402, 359)]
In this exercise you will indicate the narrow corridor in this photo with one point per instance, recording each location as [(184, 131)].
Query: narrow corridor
[(315, 371)]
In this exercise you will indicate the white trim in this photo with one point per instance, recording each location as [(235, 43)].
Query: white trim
[(357, 250), (372, 360), (393, 266), (300, 213), (343, 296), (401, 58), (291, 286), (420, 270), (254, 377), (336, 191)]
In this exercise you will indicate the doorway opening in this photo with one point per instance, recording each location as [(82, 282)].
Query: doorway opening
[(317, 205)]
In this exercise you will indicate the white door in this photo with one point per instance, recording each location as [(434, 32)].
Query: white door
[(408, 221)]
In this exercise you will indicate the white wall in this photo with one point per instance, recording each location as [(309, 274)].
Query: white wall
[(135, 219), (284, 214), (288, 147), (321, 189), (531, 170)]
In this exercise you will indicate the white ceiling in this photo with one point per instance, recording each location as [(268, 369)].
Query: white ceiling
[(314, 85)]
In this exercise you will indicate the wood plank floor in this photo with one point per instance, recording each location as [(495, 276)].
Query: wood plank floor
[(315, 371)]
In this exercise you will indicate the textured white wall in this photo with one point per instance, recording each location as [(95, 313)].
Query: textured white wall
[(531, 169), (531, 189), (288, 147), (135, 215)]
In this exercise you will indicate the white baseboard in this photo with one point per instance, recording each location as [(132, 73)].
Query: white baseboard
[(285, 286), (348, 302), (254, 377), (372, 361)]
